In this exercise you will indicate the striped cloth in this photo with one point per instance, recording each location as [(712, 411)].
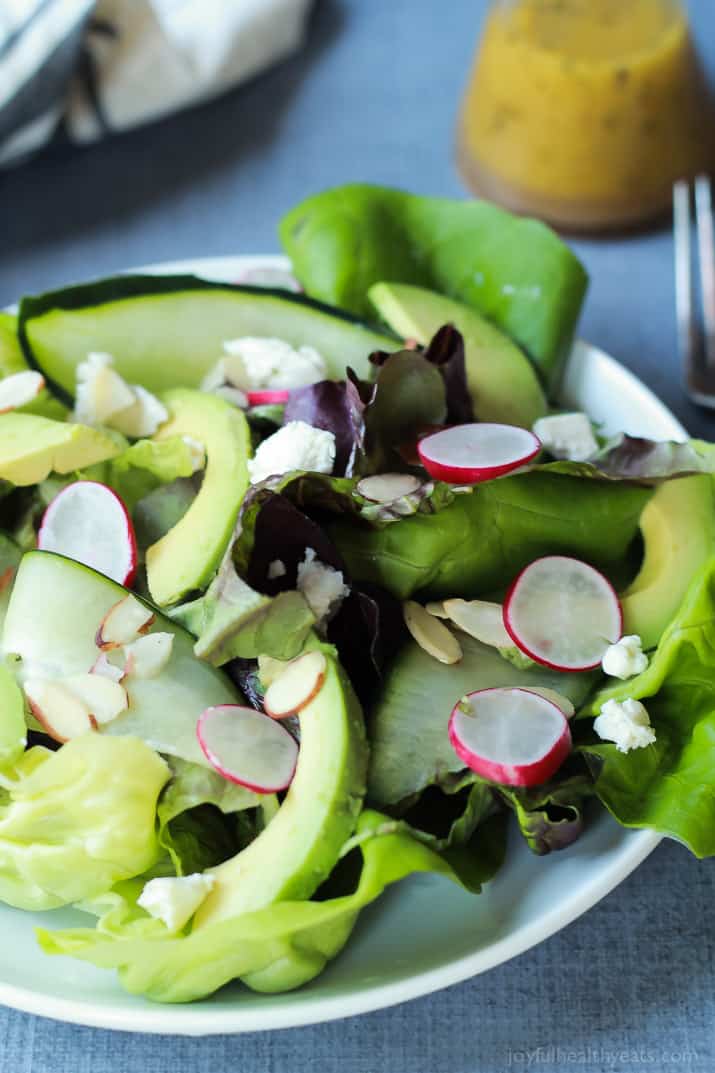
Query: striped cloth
[(76, 69)]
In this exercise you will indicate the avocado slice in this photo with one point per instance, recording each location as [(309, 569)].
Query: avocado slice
[(501, 379), (12, 361), (55, 609), (188, 555), (300, 847), (32, 447), (678, 528)]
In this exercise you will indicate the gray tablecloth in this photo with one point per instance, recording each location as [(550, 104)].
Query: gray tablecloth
[(373, 97)]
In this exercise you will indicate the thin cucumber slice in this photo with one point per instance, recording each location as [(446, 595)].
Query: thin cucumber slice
[(168, 331)]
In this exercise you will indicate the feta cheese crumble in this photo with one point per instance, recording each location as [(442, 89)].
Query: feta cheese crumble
[(567, 436), (103, 397), (253, 363), (197, 452), (175, 899), (625, 658), (626, 723), (276, 569), (295, 446), (322, 586)]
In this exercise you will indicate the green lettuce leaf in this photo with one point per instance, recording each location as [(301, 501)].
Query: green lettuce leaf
[(198, 817), (633, 458), (669, 786), (517, 272), (143, 467), (279, 947), (550, 817), (78, 820), (479, 542)]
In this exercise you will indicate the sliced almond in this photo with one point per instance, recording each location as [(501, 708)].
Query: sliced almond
[(148, 656), (481, 619), (106, 667), (430, 634), (123, 623), (62, 714), (436, 608), (104, 698), (296, 686), (20, 388), (387, 487), (270, 668), (556, 698)]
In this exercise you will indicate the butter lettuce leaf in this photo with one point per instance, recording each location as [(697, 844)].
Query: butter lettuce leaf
[(668, 786), (143, 467), (515, 271), (479, 541), (281, 946), (76, 821)]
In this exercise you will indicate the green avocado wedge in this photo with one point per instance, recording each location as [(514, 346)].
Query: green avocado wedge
[(168, 331), (300, 846), (187, 557), (502, 382), (32, 447), (516, 272), (678, 527), (55, 610)]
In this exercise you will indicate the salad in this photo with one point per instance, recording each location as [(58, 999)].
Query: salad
[(307, 585)]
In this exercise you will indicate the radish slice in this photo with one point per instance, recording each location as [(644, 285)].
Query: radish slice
[(268, 397), (295, 686), (88, 522), (563, 613), (248, 747), (515, 737), (467, 454)]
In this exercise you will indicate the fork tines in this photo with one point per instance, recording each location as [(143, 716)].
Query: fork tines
[(697, 343)]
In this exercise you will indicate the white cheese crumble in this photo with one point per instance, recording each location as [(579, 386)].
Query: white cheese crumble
[(276, 569), (197, 452), (625, 658), (567, 436), (295, 446), (175, 899), (103, 397), (253, 363), (322, 585), (626, 723)]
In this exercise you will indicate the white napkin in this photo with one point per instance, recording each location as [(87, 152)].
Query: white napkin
[(94, 67)]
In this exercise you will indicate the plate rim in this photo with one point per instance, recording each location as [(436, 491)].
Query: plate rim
[(304, 1008)]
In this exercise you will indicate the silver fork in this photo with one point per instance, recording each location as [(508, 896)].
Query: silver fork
[(696, 342)]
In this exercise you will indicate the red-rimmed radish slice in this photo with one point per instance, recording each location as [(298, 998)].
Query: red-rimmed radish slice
[(88, 522), (268, 397), (467, 454), (515, 737), (123, 623), (563, 613), (61, 713), (295, 686), (248, 747), (19, 388)]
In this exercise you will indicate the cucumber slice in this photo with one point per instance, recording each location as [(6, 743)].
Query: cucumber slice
[(55, 608), (168, 331)]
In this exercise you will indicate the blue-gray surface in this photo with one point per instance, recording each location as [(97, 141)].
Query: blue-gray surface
[(373, 98)]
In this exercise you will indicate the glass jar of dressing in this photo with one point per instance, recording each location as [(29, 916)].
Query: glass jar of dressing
[(584, 112)]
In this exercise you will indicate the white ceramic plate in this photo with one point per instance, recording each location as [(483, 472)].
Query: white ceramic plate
[(424, 934)]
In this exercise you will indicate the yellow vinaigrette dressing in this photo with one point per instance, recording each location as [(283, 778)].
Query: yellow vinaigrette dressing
[(585, 111)]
